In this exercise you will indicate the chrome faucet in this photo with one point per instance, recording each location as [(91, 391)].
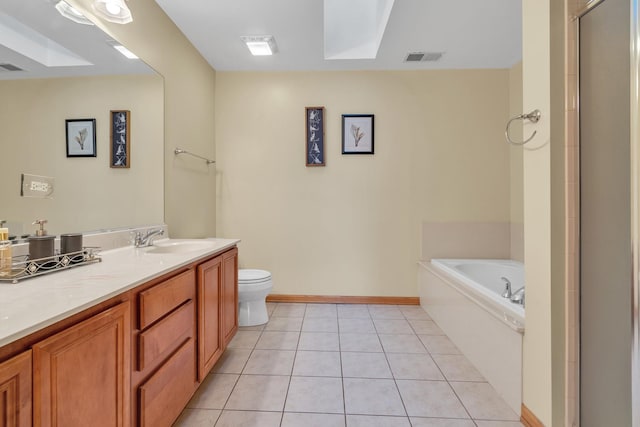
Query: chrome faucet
[(518, 297), (141, 240), (507, 288)]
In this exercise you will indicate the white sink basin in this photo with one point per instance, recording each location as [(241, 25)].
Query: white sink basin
[(180, 246)]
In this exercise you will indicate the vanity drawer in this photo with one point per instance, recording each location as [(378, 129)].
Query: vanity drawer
[(166, 296), (167, 392), (166, 335)]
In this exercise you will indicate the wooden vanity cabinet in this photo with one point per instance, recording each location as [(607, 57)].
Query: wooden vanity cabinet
[(15, 391), (229, 304), (133, 360), (217, 308), (165, 377), (210, 344), (81, 376)]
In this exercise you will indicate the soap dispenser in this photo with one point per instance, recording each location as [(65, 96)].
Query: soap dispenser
[(41, 246)]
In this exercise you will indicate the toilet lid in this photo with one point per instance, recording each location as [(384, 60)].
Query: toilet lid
[(251, 276)]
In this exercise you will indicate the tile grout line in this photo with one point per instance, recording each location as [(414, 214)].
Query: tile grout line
[(238, 379), (344, 394), (444, 376), (393, 375), (295, 356), (395, 382)]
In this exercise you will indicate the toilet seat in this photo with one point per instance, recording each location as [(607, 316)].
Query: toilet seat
[(253, 276)]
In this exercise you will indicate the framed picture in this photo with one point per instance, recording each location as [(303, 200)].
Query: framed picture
[(120, 139), (314, 124), (357, 134), (81, 137)]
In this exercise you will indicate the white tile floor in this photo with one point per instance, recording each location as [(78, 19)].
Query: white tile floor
[(341, 365)]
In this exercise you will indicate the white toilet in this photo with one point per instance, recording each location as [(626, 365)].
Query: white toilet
[(253, 288)]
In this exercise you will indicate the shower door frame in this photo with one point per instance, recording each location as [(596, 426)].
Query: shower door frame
[(635, 210), (634, 214)]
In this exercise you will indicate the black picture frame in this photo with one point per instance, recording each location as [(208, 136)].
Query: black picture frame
[(314, 136), (120, 139), (81, 137), (358, 134)]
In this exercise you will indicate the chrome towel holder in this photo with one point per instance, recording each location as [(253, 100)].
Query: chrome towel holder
[(181, 151), (533, 117)]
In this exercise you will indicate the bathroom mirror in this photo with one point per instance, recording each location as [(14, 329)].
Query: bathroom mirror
[(53, 70)]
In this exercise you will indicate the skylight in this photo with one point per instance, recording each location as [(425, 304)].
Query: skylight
[(354, 29), (30, 43)]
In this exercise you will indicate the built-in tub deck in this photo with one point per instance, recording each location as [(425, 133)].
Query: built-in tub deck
[(464, 298)]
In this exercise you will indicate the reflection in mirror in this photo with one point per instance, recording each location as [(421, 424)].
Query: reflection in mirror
[(51, 70)]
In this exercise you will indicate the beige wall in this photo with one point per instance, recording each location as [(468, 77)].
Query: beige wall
[(353, 227), (543, 208), (537, 340), (189, 111), (515, 165), (88, 193)]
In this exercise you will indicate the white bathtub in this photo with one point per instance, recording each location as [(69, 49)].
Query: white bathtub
[(463, 296), (482, 282)]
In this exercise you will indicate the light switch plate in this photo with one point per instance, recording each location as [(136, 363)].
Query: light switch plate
[(36, 186)]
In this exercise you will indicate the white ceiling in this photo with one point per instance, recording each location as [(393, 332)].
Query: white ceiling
[(472, 33), (87, 42)]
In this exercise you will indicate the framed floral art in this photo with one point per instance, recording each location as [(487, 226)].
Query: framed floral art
[(357, 134)]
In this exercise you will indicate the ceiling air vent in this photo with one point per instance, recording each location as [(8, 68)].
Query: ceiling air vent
[(10, 67), (414, 57), (423, 56), (432, 56)]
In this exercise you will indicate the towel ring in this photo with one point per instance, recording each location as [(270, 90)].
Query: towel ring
[(533, 117)]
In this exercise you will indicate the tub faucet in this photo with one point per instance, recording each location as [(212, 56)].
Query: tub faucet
[(141, 240), (518, 297), (507, 288)]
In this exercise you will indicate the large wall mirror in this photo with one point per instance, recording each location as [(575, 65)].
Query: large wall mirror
[(52, 70)]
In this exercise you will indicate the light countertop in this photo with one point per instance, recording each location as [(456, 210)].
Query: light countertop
[(35, 303)]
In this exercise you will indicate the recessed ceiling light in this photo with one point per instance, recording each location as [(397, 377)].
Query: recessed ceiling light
[(115, 11), (72, 13), (260, 45), (120, 48), (126, 52)]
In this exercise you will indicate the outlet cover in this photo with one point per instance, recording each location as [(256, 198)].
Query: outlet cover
[(36, 186)]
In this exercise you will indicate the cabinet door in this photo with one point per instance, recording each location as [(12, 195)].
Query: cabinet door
[(15, 391), (229, 295), (209, 338), (82, 374)]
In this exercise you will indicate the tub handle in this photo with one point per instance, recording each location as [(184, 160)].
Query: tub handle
[(507, 288), (533, 117)]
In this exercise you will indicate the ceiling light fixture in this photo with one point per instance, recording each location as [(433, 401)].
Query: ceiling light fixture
[(260, 45), (115, 11), (126, 52), (72, 13), (120, 48)]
